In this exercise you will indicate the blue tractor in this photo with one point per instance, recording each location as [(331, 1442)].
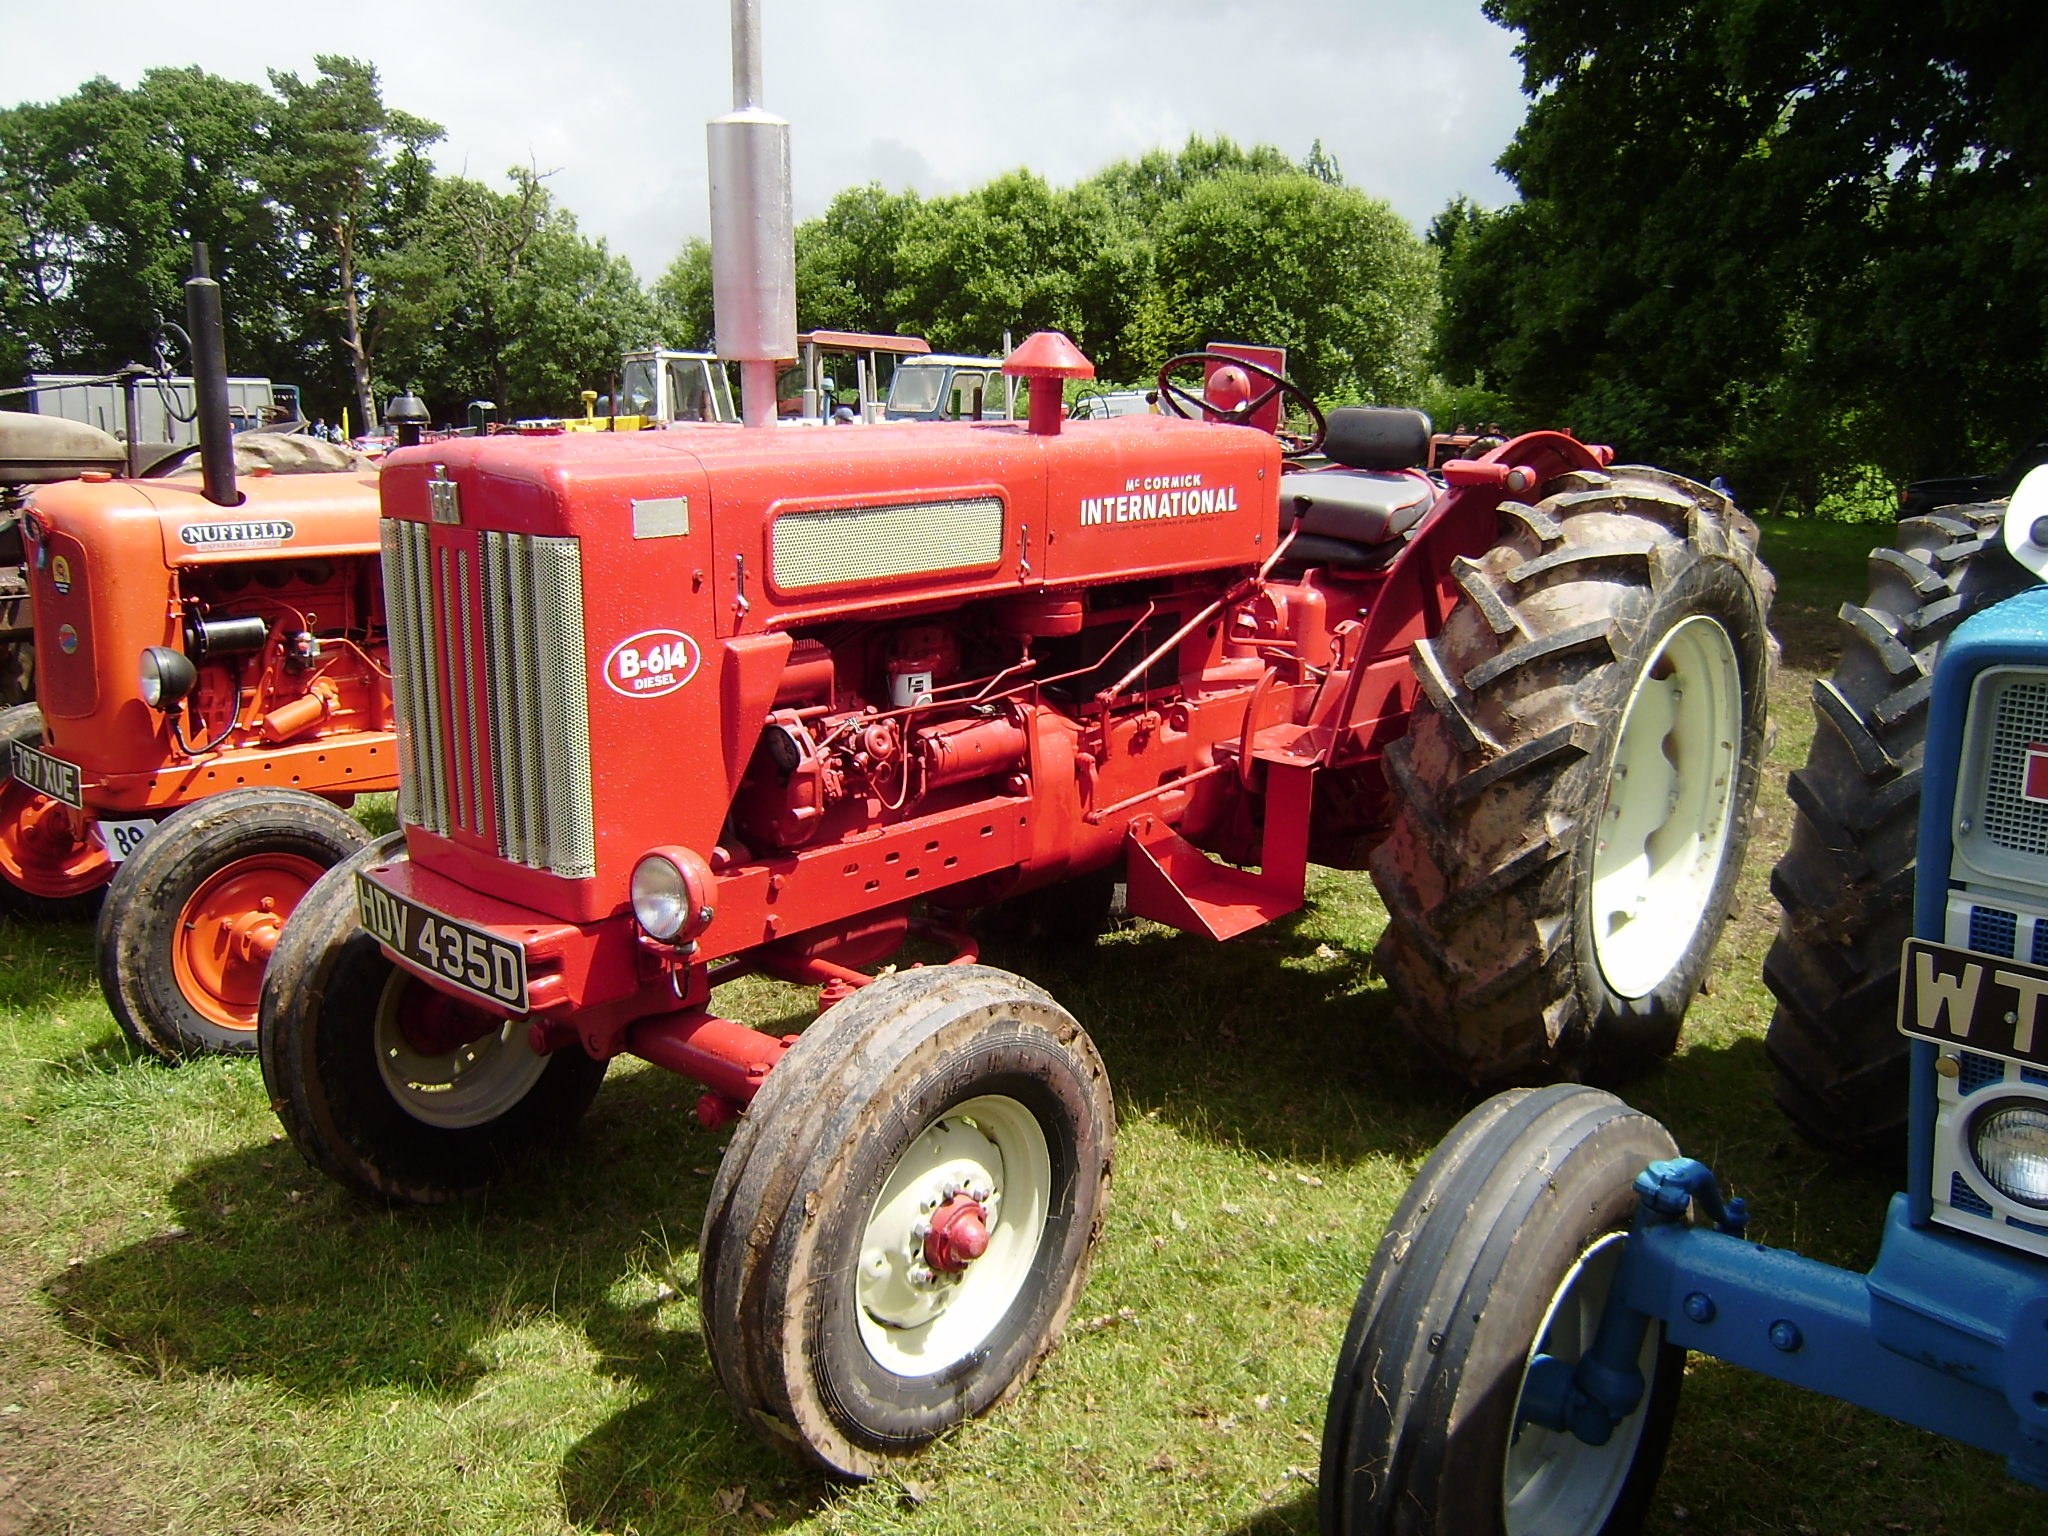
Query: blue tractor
[(1514, 1361)]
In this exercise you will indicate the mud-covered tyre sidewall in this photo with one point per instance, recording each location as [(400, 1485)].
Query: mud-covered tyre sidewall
[(794, 1194), (24, 723), (143, 913), (1626, 1034), (1423, 1400), (1844, 884), (316, 1038), (1500, 784)]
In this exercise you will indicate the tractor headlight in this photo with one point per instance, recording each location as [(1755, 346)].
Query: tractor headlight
[(672, 895), (2009, 1140), (167, 676)]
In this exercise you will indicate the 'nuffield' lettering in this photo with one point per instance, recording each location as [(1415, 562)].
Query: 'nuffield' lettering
[(200, 535)]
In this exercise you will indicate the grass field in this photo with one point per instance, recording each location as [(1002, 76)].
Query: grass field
[(200, 1335)]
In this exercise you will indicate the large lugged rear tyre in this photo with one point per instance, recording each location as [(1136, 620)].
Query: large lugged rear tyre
[(1575, 791), (1845, 883), (1505, 1244), (191, 919), (389, 1086)]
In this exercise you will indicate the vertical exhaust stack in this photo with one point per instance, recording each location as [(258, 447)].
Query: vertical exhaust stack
[(210, 382), (753, 232)]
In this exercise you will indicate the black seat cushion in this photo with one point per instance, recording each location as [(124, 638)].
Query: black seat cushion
[(1361, 506), (1376, 437)]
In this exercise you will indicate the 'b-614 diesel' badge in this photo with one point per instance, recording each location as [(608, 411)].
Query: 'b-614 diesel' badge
[(652, 663)]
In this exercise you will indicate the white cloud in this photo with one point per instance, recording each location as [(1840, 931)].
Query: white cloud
[(1413, 99)]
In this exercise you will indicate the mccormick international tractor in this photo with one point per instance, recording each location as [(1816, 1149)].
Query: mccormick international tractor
[(1514, 1361), (212, 689), (678, 707)]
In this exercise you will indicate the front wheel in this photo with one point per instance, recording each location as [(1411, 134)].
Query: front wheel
[(190, 922), (1504, 1248), (1575, 791), (904, 1218), (386, 1084)]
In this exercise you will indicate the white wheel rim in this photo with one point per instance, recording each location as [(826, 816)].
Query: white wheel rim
[(1554, 1484), (913, 1321), (1664, 828), (468, 1086)]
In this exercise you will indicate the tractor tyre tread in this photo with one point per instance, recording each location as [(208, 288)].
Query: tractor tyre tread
[(1501, 774), (1845, 882)]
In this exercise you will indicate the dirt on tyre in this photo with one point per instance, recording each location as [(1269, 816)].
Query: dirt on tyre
[(389, 1086), (1504, 1246), (1845, 882), (904, 1218), (192, 916), (51, 870), (1576, 788)]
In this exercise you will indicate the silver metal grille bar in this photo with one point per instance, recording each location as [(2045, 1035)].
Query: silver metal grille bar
[(409, 616), (564, 715)]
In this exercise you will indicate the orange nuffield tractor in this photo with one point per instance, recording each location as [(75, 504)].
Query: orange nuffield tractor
[(676, 707), (212, 688)]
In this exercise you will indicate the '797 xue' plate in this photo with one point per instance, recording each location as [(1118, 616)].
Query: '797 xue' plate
[(478, 962), (48, 775)]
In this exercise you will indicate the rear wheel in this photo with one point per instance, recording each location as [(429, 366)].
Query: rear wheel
[(904, 1218), (1574, 793), (52, 865), (388, 1085), (1504, 1248), (1845, 883), (190, 921)]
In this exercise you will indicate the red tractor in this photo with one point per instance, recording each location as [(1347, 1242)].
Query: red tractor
[(676, 707), (212, 689), (680, 707)]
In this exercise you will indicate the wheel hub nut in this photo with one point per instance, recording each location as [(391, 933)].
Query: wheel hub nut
[(958, 1235)]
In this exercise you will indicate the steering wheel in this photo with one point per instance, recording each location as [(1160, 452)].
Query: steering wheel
[(1189, 406)]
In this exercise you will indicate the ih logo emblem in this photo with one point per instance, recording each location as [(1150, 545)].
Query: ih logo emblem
[(2034, 786), (444, 502)]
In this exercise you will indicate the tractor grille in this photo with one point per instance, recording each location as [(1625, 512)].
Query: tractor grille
[(2019, 721), (519, 597)]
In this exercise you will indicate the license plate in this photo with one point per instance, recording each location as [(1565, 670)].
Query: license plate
[(122, 838), (479, 963), (1980, 1002), (48, 775)]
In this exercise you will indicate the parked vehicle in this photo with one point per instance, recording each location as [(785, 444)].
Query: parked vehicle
[(946, 387), (213, 688), (751, 699), (1516, 1354)]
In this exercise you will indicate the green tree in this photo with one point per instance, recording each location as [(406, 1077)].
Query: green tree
[(352, 175), (1784, 238), (682, 299), (1331, 274), (101, 196)]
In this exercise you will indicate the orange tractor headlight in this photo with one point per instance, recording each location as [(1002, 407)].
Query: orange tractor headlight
[(167, 676)]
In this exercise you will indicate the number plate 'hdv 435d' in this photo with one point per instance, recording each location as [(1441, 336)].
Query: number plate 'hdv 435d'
[(1981, 1002), (480, 963)]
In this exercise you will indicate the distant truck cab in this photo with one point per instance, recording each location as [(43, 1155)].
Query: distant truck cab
[(665, 387), (946, 387)]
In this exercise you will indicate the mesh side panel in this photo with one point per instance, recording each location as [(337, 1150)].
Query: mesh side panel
[(564, 706), (1977, 1071), (1993, 932), (861, 543), (415, 691), (2010, 819), (472, 766), (1964, 1198)]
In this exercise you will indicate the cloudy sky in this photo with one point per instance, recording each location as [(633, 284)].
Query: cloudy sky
[(1415, 98)]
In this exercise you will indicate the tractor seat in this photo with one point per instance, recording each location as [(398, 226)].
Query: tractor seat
[(1359, 506)]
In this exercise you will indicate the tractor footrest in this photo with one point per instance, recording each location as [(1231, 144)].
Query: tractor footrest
[(1170, 880)]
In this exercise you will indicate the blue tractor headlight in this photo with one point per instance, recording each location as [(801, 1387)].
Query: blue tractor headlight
[(2009, 1141)]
